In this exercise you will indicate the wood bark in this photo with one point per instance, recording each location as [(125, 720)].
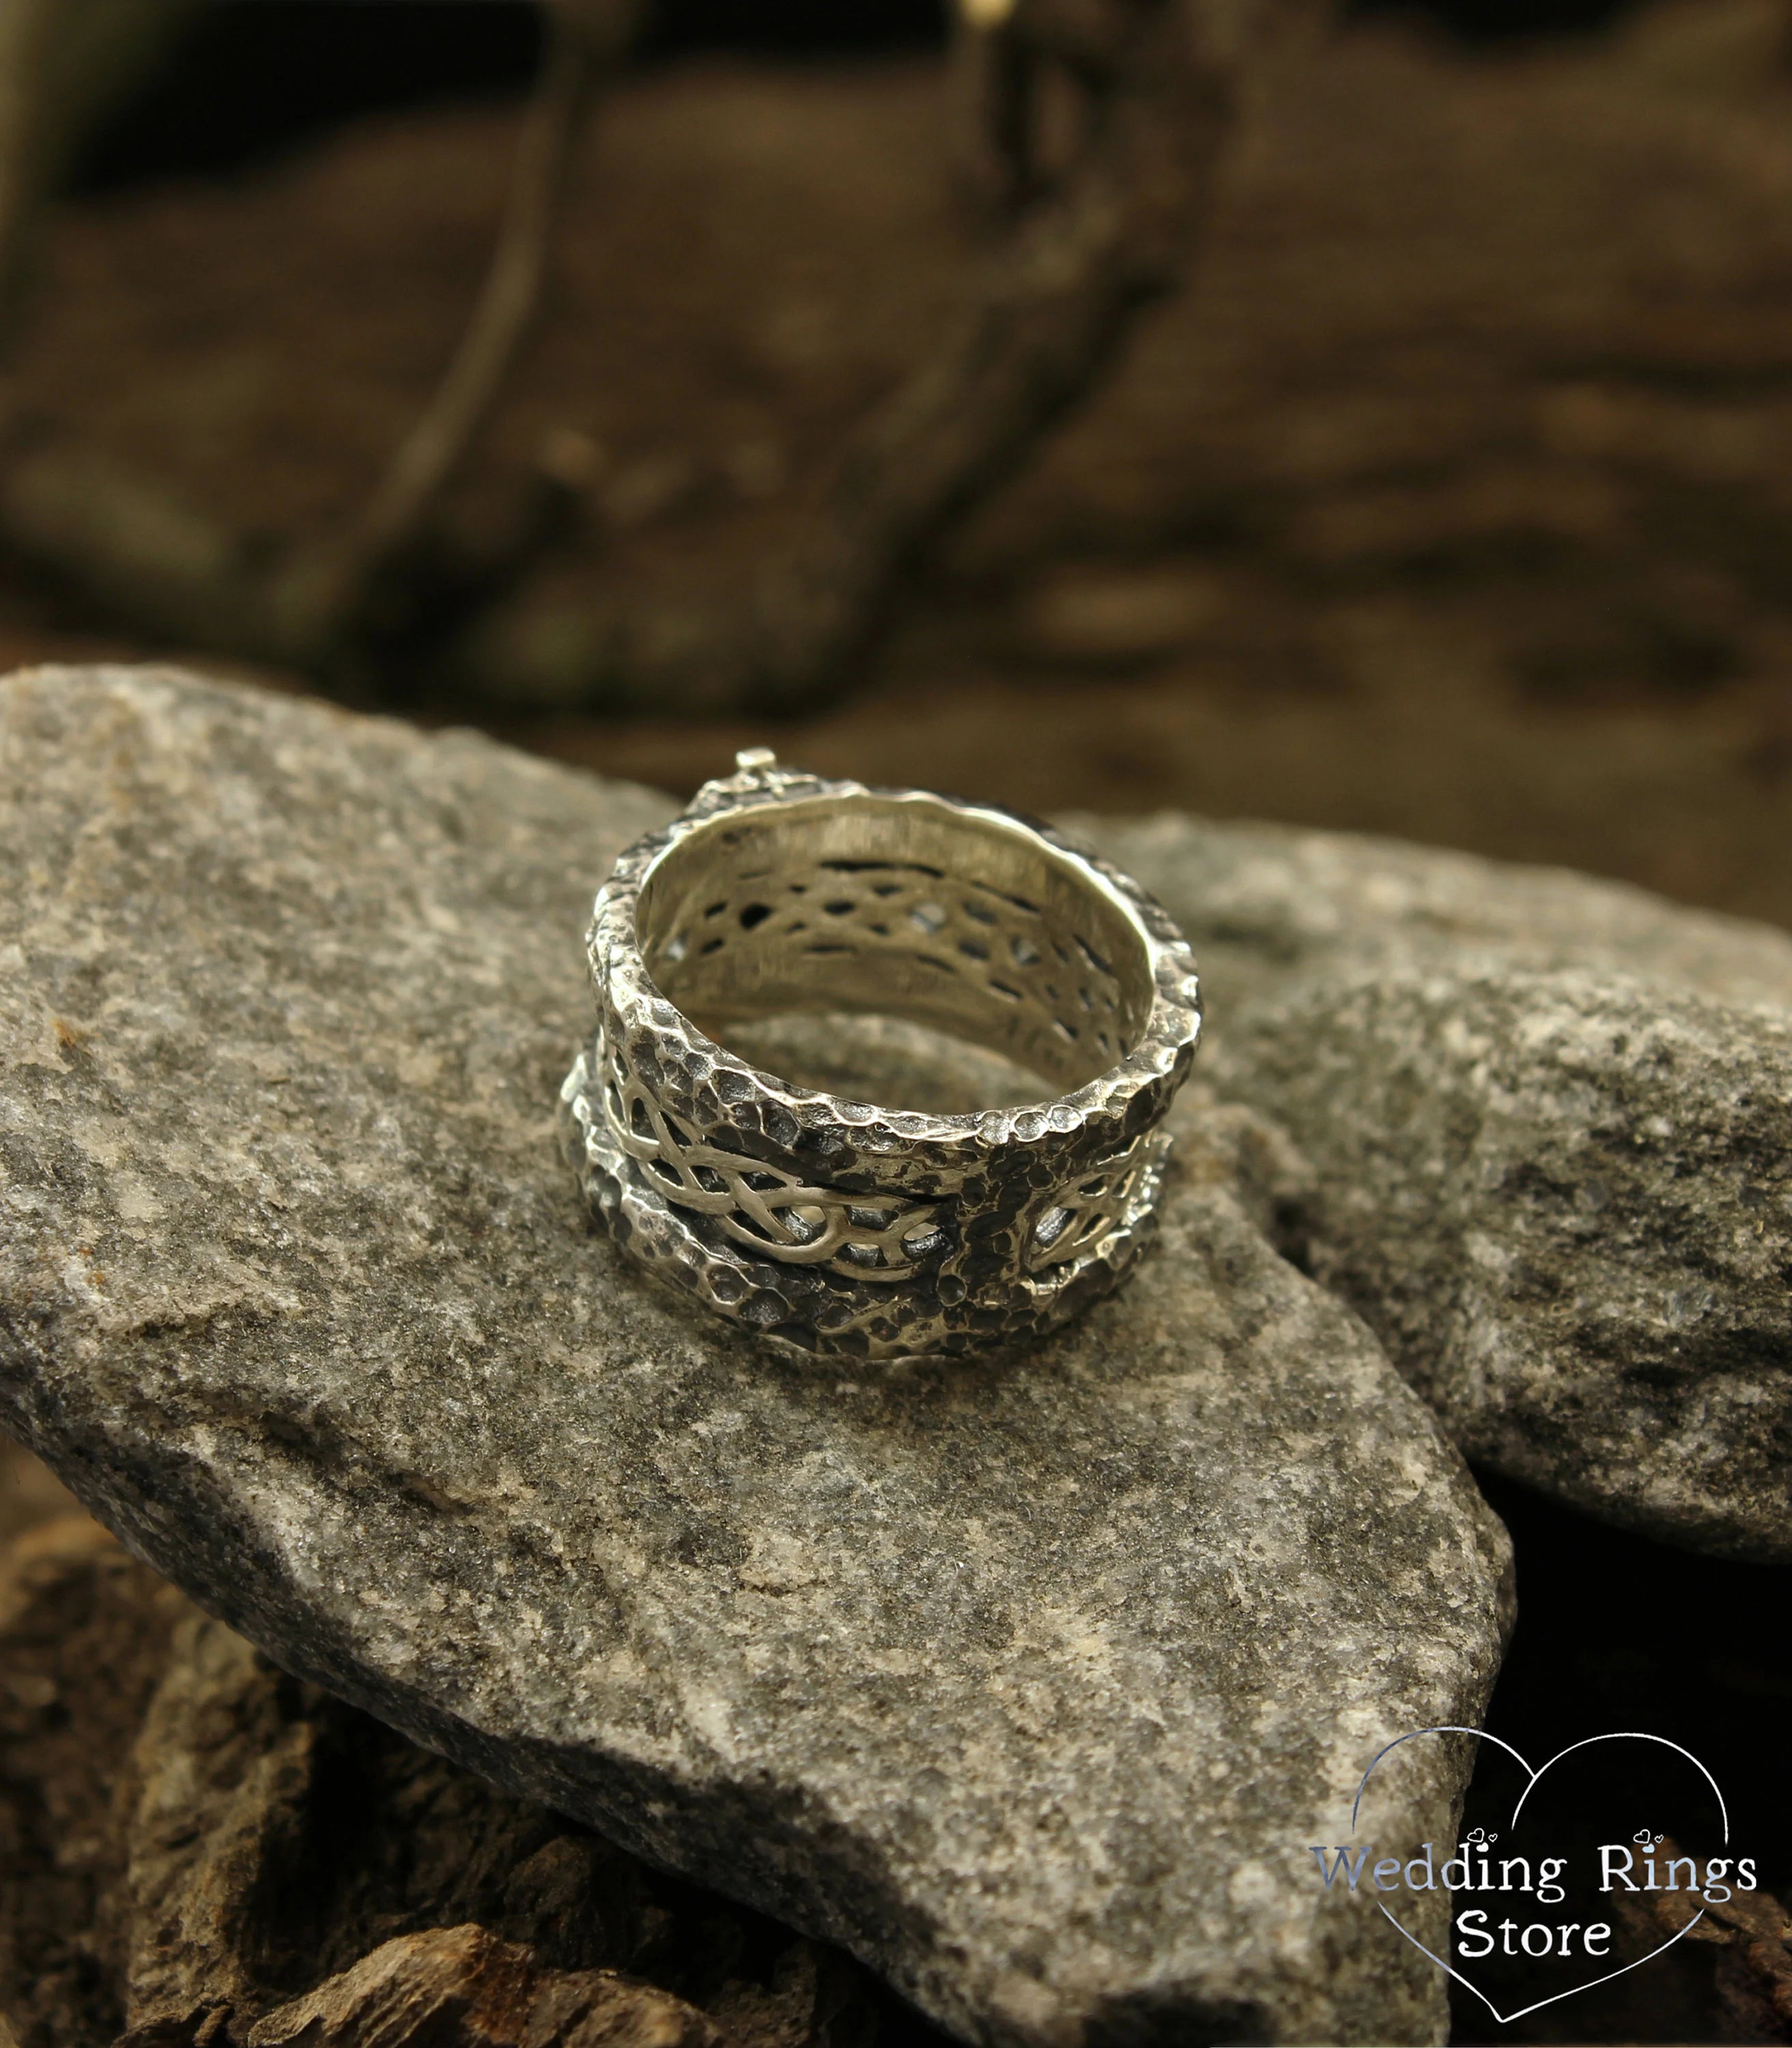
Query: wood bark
[(197, 1850)]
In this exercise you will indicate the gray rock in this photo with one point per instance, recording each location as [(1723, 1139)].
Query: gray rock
[(1551, 1123), (1268, 908), (1032, 1683)]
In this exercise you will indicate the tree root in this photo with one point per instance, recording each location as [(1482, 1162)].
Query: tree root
[(1158, 85)]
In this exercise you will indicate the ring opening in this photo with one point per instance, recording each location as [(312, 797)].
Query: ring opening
[(904, 907)]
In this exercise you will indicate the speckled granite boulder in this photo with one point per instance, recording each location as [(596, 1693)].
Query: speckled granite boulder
[(1030, 1683), (1551, 1121), (1272, 908)]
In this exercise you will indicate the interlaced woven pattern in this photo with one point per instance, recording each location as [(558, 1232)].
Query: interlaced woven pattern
[(991, 964), (834, 1222), (1080, 1214), (760, 1205)]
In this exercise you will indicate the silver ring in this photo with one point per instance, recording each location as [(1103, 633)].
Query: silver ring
[(836, 1225)]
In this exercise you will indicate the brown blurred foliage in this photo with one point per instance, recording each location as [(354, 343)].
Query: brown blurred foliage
[(1447, 498)]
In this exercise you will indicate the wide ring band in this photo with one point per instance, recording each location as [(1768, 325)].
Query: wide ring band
[(836, 1225)]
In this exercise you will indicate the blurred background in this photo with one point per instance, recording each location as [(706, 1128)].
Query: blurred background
[(1443, 491)]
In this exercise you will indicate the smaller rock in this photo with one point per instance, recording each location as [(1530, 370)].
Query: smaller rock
[(1550, 1121), (1565, 1201), (1267, 907)]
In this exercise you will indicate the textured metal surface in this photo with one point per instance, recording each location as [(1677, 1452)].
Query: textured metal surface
[(837, 1225)]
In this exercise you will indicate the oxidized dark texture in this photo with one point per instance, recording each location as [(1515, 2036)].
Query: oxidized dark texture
[(879, 1230), (1031, 1682), (1551, 1119)]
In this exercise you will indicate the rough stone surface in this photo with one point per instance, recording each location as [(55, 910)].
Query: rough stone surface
[(1551, 1123), (1268, 908), (1030, 1684), (197, 1849)]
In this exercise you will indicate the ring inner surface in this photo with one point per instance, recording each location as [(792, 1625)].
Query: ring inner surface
[(900, 907)]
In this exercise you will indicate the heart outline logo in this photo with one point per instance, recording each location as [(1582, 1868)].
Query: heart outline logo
[(1533, 1778)]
